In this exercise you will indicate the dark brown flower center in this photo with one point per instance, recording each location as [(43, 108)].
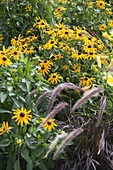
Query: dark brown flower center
[(79, 53), (4, 129), (42, 67), (38, 20), (64, 45), (54, 76), (91, 53), (60, 28), (52, 42), (89, 46), (86, 78), (22, 114), (4, 58), (15, 53), (80, 34), (49, 123), (66, 32)]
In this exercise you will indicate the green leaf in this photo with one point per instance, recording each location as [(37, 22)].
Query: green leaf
[(17, 165), (25, 155), (42, 166), (4, 142), (16, 102), (3, 96), (4, 111), (29, 166)]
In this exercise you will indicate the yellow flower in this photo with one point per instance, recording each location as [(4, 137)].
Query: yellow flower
[(44, 69), (19, 141), (29, 50), (5, 128), (4, 61), (22, 116), (107, 36), (100, 4), (65, 67), (28, 8), (40, 23), (77, 55), (50, 125), (86, 81), (57, 56), (111, 64), (102, 27), (54, 78), (110, 80), (90, 4), (76, 68), (110, 23), (47, 63), (16, 53), (50, 44), (59, 10)]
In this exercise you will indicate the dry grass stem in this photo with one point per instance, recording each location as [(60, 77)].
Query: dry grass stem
[(68, 139), (102, 110), (53, 143), (42, 97), (56, 110), (57, 91), (86, 97)]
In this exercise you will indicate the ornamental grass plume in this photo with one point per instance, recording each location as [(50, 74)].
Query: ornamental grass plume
[(102, 110), (68, 139), (55, 141), (86, 97), (101, 143), (56, 110), (42, 97), (57, 91)]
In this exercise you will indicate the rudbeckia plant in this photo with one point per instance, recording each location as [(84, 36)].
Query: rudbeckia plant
[(56, 84)]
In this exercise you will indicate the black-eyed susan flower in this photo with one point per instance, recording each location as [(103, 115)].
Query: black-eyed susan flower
[(91, 54), (5, 128), (76, 68), (50, 125), (45, 66), (54, 78), (102, 27), (110, 23), (59, 10), (58, 56), (86, 81), (4, 61), (22, 116), (15, 53), (40, 23), (100, 4), (29, 50), (44, 69), (64, 46), (47, 63), (65, 67), (77, 54), (50, 44), (28, 7), (16, 41)]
